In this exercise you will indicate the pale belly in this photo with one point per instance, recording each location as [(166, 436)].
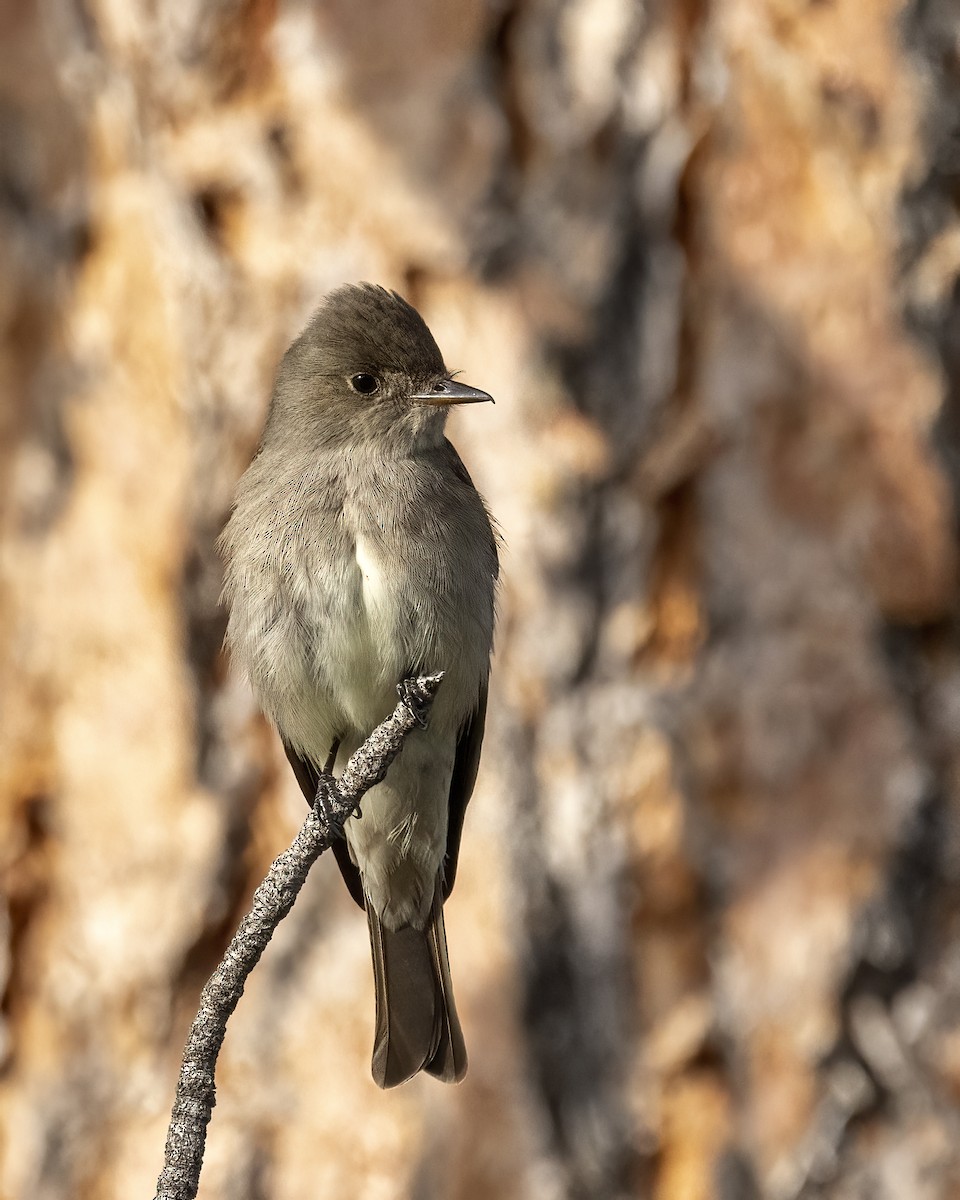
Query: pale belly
[(400, 840)]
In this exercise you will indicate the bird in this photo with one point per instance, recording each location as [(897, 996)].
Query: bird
[(358, 553)]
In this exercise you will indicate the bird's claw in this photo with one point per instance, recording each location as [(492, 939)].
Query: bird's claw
[(324, 807), (413, 698), (323, 804), (416, 698)]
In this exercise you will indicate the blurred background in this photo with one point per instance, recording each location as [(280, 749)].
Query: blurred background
[(705, 253)]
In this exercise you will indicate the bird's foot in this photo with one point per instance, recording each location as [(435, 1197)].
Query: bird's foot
[(323, 802), (416, 698), (324, 807)]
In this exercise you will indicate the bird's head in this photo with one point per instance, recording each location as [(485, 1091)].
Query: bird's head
[(367, 368)]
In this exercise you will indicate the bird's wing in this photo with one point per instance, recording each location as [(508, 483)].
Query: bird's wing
[(461, 786), (471, 736), (308, 775)]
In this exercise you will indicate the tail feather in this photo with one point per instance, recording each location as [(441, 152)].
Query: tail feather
[(449, 1061), (416, 1023)]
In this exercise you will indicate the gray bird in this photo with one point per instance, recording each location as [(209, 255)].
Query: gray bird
[(358, 554)]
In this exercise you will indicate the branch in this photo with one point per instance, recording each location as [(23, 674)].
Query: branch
[(273, 899)]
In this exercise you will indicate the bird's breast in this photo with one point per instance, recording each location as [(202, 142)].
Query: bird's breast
[(374, 579), (392, 614)]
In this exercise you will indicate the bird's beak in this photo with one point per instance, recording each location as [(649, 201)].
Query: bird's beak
[(450, 391)]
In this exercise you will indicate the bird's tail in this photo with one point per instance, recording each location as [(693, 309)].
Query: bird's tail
[(417, 1024)]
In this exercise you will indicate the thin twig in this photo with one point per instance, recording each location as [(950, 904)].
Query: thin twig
[(273, 899)]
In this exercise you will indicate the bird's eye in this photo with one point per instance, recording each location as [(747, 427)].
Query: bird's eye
[(365, 384)]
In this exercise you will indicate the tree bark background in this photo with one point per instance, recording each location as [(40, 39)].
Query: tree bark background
[(705, 933)]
